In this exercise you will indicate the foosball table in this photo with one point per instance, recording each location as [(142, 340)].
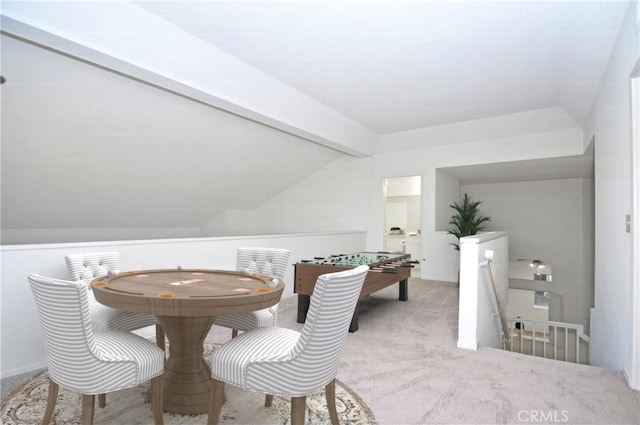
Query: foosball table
[(385, 269)]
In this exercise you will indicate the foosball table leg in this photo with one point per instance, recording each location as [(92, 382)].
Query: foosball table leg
[(404, 290), (303, 307)]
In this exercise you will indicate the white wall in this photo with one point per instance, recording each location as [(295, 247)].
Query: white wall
[(403, 212), (338, 197), (447, 192), (610, 123), (546, 220), (21, 348), (348, 193)]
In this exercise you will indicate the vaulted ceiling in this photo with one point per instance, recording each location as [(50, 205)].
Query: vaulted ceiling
[(81, 124), (399, 65)]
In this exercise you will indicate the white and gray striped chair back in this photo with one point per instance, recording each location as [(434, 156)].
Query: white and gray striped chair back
[(313, 361), (269, 261), (86, 267), (77, 358)]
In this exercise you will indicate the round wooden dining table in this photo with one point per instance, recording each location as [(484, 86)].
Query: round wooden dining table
[(186, 301)]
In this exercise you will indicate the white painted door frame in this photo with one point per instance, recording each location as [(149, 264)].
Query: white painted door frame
[(634, 346)]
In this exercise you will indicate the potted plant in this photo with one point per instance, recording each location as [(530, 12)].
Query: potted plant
[(467, 221)]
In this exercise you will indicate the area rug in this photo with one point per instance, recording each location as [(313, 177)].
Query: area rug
[(26, 405)]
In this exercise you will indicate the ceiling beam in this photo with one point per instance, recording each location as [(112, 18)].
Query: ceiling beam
[(126, 39)]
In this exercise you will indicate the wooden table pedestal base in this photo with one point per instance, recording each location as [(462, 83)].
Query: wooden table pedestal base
[(187, 377)]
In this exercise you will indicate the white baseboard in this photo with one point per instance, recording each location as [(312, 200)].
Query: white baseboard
[(468, 345), (26, 369)]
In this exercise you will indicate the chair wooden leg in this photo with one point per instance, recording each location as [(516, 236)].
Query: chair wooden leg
[(156, 400), (234, 333), (102, 400), (330, 391), (88, 406), (51, 402), (216, 401), (298, 407), (160, 342), (268, 400)]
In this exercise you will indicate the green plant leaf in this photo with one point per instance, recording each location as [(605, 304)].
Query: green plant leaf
[(467, 221)]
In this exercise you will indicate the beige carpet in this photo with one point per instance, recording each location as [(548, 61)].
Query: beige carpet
[(26, 405), (404, 362)]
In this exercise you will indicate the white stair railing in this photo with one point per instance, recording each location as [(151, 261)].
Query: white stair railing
[(505, 338), (553, 340)]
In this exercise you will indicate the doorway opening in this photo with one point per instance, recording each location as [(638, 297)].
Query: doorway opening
[(402, 216)]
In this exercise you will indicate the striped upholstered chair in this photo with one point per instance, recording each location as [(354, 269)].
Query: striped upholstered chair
[(85, 268), (90, 363), (289, 363), (269, 261)]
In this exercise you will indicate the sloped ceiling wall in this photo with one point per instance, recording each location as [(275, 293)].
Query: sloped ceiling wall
[(83, 147)]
